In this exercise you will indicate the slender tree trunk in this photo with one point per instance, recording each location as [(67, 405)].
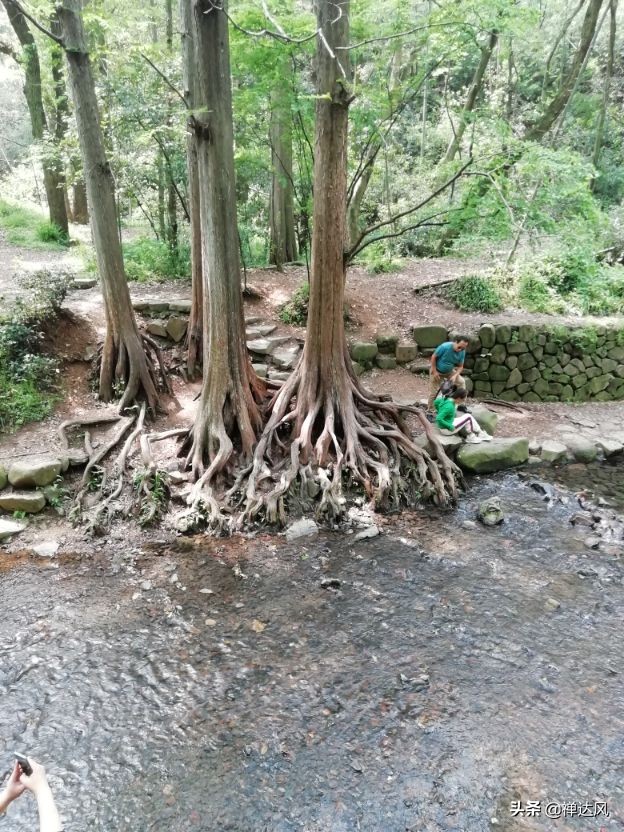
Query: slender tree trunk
[(61, 108), (602, 116), (283, 243), (471, 98), (172, 204), (124, 360), (52, 174), (228, 411), (560, 101), (194, 335), (80, 208)]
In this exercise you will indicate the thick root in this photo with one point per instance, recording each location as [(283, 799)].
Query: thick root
[(134, 369)]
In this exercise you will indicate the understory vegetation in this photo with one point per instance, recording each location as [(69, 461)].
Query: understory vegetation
[(28, 376), (28, 228)]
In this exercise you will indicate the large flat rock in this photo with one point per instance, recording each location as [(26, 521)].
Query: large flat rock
[(496, 455), (10, 527), (33, 471), (429, 336), (29, 502)]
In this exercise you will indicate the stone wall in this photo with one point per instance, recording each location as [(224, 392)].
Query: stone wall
[(522, 362)]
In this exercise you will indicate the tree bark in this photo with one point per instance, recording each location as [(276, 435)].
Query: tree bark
[(471, 98), (283, 243), (172, 210), (52, 173), (124, 360), (602, 116), (228, 411), (80, 207), (194, 334), (559, 102)]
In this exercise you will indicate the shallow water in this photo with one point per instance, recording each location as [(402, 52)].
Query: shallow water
[(430, 688)]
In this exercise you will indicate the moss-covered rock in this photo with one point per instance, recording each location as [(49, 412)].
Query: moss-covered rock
[(493, 456), (503, 334), (487, 336), (36, 470), (498, 372), (363, 351), (517, 347), (429, 337)]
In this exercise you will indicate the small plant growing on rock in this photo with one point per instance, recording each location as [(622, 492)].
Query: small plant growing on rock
[(295, 311), (152, 488)]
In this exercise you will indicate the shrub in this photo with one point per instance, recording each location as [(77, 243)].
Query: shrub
[(475, 293), (534, 293), (147, 259), (377, 260), (50, 232), (295, 311)]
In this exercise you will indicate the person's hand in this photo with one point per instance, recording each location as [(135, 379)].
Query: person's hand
[(14, 788), (435, 375), (37, 781)]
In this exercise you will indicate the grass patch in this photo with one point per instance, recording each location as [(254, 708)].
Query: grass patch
[(295, 311), (148, 260), (22, 402), (27, 228), (475, 293)]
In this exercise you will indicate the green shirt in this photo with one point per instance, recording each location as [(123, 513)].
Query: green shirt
[(445, 413)]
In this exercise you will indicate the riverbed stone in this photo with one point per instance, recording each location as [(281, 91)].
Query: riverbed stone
[(429, 336), (503, 334), (580, 448), (29, 502), (385, 362), (496, 455), (387, 341), (610, 447), (486, 418), (364, 351), (36, 470), (304, 527), (553, 451), (405, 352), (490, 512), (487, 336), (8, 528)]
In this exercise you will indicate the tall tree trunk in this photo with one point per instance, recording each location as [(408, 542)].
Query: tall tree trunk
[(194, 335), (559, 102), (283, 243), (124, 359), (228, 411), (471, 98), (602, 116), (61, 107), (52, 173), (332, 428), (172, 210)]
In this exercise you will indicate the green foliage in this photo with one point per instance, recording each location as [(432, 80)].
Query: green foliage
[(153, 490), (148, 260), (534, 294), (378, 259), (28, 228), (295, 311), (475, 293)]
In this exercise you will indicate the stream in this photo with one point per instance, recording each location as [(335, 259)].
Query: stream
[(421, 682)]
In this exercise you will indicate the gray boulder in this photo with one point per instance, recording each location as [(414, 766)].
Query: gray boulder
[(157, 328), (610, 447), (497, 455), (180, 306), (30, 502), (32, 471), (385, 362), (553, 451), (387, 341), (486, 418), (428, 337), (580, 448), (363, 351), (286, 357), (176, 328), (487, 335), (406, 352), (10, 527), (304, 527), (260, 370)]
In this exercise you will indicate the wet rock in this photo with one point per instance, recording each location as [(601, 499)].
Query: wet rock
[(552, 604), (469, 525), (580, 448), (534, 461), (486, 418), (30, 502), (31, 471), (615, 550), (331, 583), (553, 451), (579, 519), (535, 446), (304, 527), (592, 542), (176, 328), (157, 328), (490, 512), (496, 455), (369, 531), (10, 527), (610, 447)]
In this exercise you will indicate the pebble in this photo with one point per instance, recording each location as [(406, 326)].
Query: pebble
[(210, 622), (47, 549), (552, 604), (369, 531)]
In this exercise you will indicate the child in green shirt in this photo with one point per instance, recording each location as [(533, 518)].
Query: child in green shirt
[(450, 422)]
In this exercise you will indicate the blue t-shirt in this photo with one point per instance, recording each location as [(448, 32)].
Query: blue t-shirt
[(447, 358)]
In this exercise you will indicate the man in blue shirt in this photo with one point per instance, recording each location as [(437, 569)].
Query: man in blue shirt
[(447, 362)]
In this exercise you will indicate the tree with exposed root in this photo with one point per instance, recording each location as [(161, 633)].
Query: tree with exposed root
[(323, 431), (228, 418), (129, 359)]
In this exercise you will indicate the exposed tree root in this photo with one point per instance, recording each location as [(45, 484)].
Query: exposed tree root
[(313, 451), (134, 367)]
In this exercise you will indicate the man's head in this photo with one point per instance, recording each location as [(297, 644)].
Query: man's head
[(460, 342)]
